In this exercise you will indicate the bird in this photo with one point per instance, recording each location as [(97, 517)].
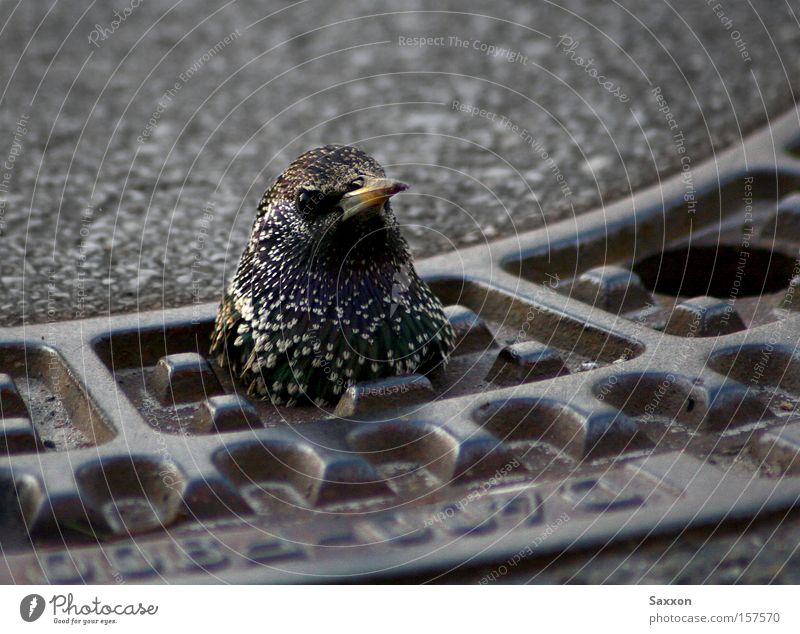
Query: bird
[(325, 294)]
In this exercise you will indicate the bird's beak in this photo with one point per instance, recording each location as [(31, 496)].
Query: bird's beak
[(369, 199)]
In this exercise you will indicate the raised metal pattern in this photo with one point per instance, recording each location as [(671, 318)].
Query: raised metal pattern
[(631, 373)]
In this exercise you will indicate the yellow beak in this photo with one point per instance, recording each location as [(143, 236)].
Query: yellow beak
[(369, 199)]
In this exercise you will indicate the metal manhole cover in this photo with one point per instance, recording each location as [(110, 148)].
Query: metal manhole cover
[(631, 373)]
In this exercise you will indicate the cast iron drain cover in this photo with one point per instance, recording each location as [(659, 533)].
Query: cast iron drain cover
[(632, 373)]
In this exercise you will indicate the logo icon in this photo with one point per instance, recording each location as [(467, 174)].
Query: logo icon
[(31, 607)]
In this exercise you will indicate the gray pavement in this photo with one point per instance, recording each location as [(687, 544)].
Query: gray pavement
[(135, 147)]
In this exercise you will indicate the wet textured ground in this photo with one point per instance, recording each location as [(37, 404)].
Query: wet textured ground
[(134, 155)]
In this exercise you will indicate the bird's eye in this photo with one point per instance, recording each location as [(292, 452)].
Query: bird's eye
[(308, 201), (358, 183)]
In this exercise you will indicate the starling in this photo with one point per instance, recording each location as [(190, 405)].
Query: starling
[(325, 294)]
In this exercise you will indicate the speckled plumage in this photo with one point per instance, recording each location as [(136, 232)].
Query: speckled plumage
[(319, 302)]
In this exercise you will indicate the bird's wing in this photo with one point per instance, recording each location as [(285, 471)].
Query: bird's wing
[(226, 328)]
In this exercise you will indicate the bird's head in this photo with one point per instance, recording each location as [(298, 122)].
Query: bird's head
[(332, 196)]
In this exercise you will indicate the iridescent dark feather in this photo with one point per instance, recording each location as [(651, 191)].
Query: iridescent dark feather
[(322, 300)]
